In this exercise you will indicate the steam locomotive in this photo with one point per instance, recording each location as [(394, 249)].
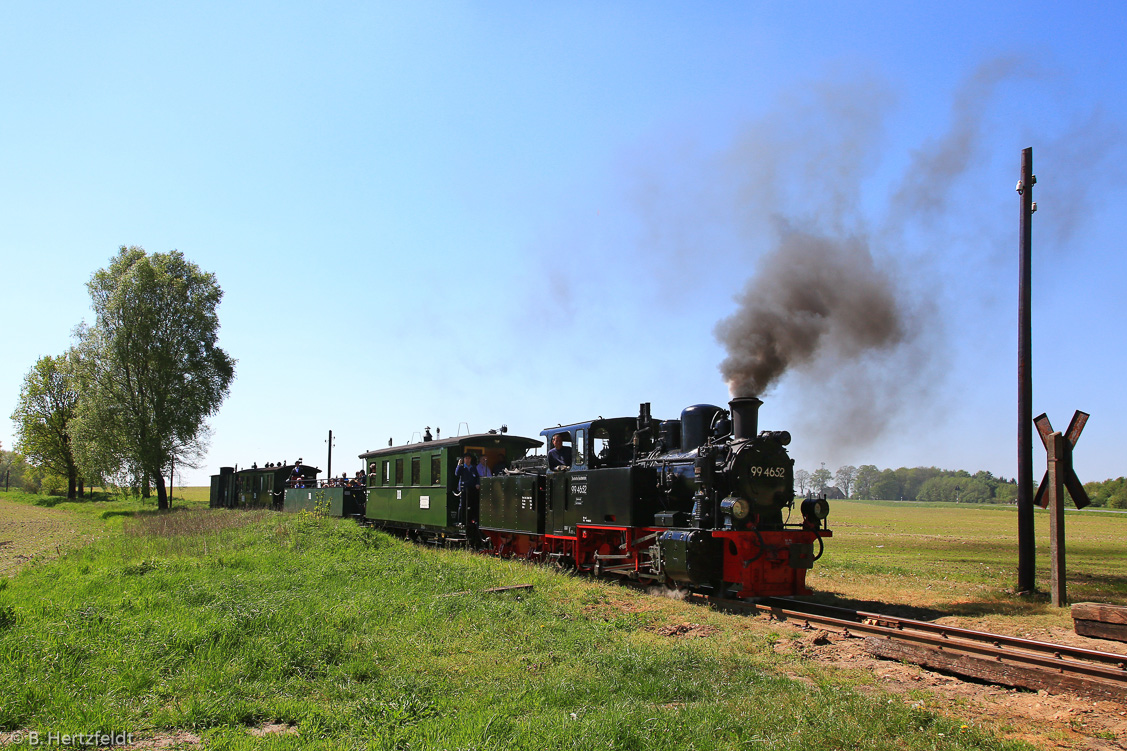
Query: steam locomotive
[(702, 502)]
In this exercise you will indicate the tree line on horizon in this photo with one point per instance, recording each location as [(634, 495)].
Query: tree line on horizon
[(129, 400), (931, 484)]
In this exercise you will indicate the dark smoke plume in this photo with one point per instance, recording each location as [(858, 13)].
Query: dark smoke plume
[(813, 296), (843, 300)]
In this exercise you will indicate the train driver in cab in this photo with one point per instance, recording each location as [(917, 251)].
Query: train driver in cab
[(559, 458)]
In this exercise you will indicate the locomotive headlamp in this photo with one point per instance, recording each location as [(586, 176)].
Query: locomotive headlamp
[(738, 508), (814, 510)]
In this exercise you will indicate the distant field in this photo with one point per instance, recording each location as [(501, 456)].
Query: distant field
[(963, 558), (199, 495)]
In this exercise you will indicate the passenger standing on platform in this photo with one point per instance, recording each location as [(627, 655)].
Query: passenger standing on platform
[(468, 484)]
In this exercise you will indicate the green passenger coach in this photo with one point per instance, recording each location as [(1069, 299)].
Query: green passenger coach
[(413, 486), (257, 487)]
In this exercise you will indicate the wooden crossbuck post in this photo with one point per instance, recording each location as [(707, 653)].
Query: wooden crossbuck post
[(1054, 481), (1059, 475)]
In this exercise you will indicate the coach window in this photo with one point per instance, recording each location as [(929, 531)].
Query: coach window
[(435, 469), (398, 471), (580, 450), (416, 470)]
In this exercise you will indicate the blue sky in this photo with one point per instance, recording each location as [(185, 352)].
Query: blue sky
[(428, 214)]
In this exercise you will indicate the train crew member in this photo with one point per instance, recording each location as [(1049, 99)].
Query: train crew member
[(483, 467), (296, 476), (559, 458), (468, 484)]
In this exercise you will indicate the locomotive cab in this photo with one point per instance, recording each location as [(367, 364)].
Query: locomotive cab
[(596, 444), (600, 485)]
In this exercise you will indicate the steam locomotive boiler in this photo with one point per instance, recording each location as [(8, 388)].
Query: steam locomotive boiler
[(703, 502)]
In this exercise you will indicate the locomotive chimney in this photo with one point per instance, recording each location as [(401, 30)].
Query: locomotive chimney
[(745, 416)]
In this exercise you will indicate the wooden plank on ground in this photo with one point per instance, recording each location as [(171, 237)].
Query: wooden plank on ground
[(991, 671), (1101, 630), (1097, 611)]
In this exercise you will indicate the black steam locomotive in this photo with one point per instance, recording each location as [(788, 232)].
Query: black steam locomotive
[(704, 501)]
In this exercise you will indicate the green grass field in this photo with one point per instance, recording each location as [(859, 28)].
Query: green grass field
[(228, 624), (962, 559), (221, 623)]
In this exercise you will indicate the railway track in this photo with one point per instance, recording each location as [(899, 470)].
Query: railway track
[(994, 658)]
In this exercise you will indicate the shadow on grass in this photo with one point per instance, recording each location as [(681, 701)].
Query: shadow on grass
[(1104, 583), (50, 501), (1030, 604)]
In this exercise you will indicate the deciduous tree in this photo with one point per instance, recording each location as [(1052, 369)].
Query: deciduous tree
[(44, 418), (819, 479), (843, 478), (152, 372), (801, 479), (867, 476)]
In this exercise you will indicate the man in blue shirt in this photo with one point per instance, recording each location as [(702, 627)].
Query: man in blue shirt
[(468, 484), (559, 458)]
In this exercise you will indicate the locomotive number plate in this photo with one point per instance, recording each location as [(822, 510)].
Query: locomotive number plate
[(767, 472)]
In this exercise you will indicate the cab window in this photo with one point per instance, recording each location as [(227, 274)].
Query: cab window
[(579, 452), (565, 447), (600, 444)]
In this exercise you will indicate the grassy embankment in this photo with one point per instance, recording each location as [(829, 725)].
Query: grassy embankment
[(221, 622), (962, 560)]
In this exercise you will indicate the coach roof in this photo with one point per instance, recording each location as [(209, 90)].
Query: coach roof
[(475, 441)]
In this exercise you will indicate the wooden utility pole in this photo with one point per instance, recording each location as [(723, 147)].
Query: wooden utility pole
[(1026, 542)]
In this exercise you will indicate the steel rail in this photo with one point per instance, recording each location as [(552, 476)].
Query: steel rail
[(978, 643), (1058, 651)]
